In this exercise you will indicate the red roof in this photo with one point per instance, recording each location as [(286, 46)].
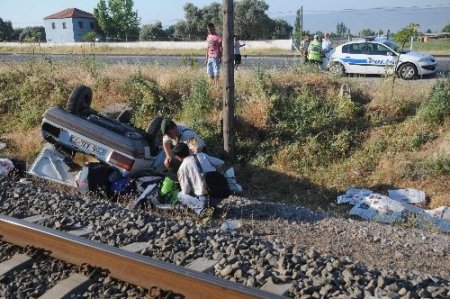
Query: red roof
[(70, 13)]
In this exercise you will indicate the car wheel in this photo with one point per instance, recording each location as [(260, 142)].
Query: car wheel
[(407, 71), (154, 134), (80, 100), (125, 116), (337, 68)]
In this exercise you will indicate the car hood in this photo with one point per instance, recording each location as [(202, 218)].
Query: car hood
[(415, 56)]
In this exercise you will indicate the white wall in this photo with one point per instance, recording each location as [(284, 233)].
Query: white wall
[(262, 44)]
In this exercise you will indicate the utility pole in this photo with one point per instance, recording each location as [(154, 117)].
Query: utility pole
[(228, 71)]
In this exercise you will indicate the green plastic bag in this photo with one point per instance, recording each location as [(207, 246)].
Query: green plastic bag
[(169, 191)]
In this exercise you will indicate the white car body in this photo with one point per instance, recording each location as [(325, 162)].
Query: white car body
[(379, 57)]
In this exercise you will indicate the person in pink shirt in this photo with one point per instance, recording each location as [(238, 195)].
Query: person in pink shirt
[(213, 52)]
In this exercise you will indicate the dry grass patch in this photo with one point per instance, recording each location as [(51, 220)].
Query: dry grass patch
[(297, 141), (23, 145)]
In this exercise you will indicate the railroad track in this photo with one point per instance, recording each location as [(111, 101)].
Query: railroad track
[(121, 264), (271, 269)]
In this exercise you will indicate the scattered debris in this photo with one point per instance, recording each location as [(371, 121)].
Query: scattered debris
[(6, 166), (379, 208), (232, 182), (353, 196), (231, 225), (24, 181), (396, 208), (409, 195)]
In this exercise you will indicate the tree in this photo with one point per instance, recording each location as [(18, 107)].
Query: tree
[(16, 34), (367, 32), (298, 30), (402, 37), (446, 28), (89, 37), (6, 30), (341, 29), (32, 34), (251, 20), (152, 32), (405, 34), (117, 19), (194, 27), (282, 29), (429, 30)]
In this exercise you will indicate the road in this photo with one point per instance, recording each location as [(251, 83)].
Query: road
[(247, 61)]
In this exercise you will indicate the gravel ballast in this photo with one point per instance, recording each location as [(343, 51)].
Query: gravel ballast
[(287, 253)]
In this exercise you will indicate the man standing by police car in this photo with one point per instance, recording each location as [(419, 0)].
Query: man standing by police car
[(327, 45)]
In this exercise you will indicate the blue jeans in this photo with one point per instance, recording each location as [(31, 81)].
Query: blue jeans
[(197, 203), (213, 67)]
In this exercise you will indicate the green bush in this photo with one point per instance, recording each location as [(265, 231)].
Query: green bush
[(148, 100), (420, 139), (303, 115), (316, 131), (437, 108), (432, 167), (197, 107)]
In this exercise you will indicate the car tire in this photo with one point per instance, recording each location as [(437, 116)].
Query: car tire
[(125, 116), (154, 134), (337, 68), (80, 100), (408, 71)]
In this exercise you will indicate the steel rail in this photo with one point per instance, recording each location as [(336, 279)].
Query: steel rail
[(133, 268)]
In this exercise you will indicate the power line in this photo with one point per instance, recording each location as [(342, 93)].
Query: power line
[(344, 10)]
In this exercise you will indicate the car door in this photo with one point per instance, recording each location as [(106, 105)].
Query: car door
[(380, 59), (354, 57)]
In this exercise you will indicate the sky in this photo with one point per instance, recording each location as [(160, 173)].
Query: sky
[(319, 15)]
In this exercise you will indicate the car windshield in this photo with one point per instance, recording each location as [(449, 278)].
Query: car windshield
[(394, 46)]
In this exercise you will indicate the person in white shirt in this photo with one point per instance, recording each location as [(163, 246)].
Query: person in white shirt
[(237, 52), (327, 45), (193, 187), (174, 134)]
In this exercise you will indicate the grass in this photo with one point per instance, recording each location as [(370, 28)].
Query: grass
[(98, 49), (434, 47), (297, 140)]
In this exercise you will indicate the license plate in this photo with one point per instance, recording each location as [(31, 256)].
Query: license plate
[(87, 146)]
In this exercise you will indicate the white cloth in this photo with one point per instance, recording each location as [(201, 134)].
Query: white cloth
[(237, 47), (327, 45), (186, 135), (189, 177)]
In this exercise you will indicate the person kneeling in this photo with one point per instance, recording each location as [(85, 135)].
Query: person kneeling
[(194, 193)]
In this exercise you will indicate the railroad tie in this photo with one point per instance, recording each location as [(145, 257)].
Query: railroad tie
[(36, 218), (16, 263), (277, 289), (202, 264), (75, 283), (135, 247)]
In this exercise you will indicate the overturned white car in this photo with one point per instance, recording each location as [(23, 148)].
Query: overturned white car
[(114, 143)]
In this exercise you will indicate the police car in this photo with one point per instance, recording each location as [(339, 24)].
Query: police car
[(379, 56)]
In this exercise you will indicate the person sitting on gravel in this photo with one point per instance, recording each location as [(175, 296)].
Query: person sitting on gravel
[(174, 134), (194, 193)]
